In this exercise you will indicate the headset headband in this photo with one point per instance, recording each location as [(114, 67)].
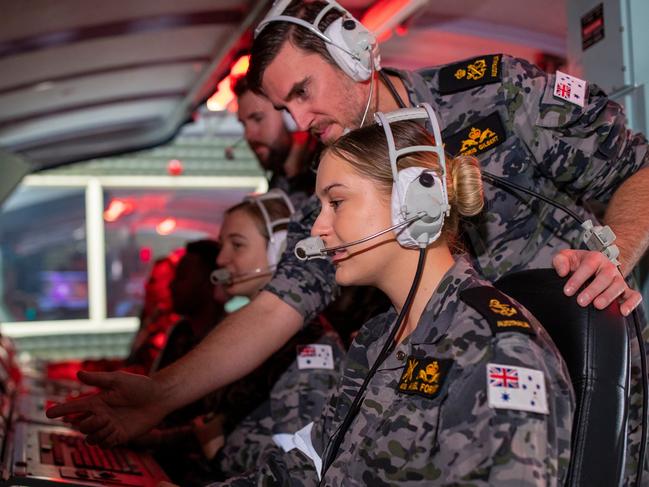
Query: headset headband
[(273, 194), (275, 14), (422, 112)]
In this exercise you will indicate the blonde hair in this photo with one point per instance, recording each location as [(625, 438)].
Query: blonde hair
[(366, 150), (276, 208)]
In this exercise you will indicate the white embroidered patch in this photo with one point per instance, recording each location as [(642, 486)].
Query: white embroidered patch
[(518, 388), (570, 88), (315, 356)]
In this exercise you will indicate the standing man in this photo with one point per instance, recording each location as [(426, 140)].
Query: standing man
[(282, 151), (565, 151)]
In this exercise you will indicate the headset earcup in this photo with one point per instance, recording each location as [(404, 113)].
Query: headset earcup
[(289, 121), (358, 41), (276, 247), (411, 195)]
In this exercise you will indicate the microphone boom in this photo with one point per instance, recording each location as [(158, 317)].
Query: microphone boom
[(314, 247)]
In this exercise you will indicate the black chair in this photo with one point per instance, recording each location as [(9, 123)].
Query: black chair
[(595, 347)]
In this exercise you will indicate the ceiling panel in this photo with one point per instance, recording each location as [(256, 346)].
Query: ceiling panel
[(26, 18), (125, 52), (93, 90), (85, 78)]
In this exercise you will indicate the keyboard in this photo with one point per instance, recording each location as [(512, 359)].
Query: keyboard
[(47, 455), (55, 447)]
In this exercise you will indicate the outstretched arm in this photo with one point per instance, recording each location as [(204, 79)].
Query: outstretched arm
[(129, 405), (236, 347)]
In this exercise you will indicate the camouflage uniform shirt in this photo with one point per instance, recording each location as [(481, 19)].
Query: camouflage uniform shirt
[(308, 286), (511, 120), (448, 435)]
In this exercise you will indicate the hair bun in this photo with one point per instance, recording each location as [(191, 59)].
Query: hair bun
[(467, 185)]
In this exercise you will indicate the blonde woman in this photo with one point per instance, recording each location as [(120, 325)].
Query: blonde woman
[(456, 384)]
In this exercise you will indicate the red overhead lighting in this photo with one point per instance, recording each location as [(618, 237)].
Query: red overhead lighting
[(175, 167), (224, 96), (401, 30), (145, 254), (117, 208), (241, 66), (386, 15), (166, 226)]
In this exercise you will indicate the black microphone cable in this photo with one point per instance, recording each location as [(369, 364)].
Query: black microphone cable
[(501, 182), (645, 396), (498, 181), (335, 440)]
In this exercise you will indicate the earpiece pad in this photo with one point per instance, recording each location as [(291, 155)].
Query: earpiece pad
[(289, 121), (276, 247), (358, 41), (418, 190)]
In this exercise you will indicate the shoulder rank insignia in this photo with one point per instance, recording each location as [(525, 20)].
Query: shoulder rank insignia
[(424, 376), (474, 72), (571, 89), (482, 135), (497, 309)]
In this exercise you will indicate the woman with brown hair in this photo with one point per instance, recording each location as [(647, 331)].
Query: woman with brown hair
[(290, 388)]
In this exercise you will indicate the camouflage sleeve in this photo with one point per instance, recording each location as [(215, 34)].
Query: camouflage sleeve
[(278, 469), (296, 400), (299, 396), (308, 286), (484, 445), (587, 152), (246, 443)]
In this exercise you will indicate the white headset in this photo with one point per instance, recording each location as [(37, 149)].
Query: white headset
[(277, 238), (417, 190), (350, 44), (289, 121)]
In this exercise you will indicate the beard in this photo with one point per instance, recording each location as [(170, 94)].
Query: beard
[(276, 159)]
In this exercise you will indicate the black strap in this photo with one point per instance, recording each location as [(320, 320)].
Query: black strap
[(393, 90)]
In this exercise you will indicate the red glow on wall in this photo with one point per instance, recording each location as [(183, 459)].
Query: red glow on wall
[(145, 254)]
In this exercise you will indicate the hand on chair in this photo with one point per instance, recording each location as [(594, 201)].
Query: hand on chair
[(607, 285)]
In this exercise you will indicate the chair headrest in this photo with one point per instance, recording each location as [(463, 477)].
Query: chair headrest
[(594, 344)]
